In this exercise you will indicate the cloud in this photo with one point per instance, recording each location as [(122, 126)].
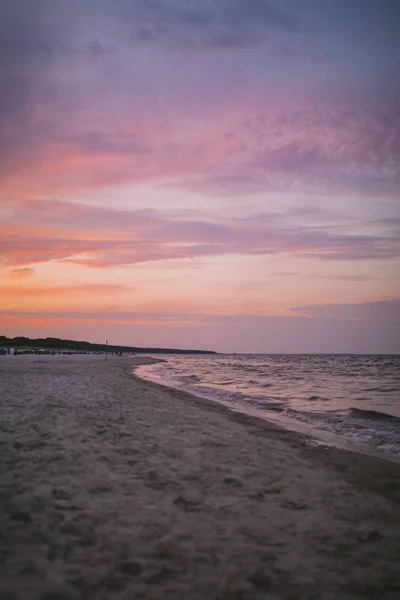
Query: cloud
[(93, 142), (22, 250), (329, 150), (25, 57), (224, 97), (383, 310), (95, 50), (319, 150), (346, 278), (107, 316), (42, 290), (41, 231), (221, 23), (83, 108), (20, 274)]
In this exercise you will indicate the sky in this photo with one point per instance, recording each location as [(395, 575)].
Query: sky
[(212, 174)]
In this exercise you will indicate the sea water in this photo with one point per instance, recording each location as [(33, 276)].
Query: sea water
[(352, 396)]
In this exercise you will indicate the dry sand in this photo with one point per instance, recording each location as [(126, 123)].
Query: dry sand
[(112, 487)]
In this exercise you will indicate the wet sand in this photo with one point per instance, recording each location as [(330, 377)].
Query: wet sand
[(112, 487)]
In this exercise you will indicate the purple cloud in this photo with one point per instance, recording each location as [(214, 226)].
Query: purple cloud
[(123, 237), (383, 310), (111, 144), (58, 96), (325, 150), (222, 24)]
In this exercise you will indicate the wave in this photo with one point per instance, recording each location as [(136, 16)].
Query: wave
[(274, 407), (374, 415), (299, 389)]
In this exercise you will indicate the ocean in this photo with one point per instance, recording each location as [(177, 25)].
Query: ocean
[(349, 400)]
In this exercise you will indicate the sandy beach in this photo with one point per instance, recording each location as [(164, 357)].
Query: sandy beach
[(116, 488)]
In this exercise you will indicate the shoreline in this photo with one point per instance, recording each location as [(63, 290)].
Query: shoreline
[(314, 436), (114, 487), (338, 456)]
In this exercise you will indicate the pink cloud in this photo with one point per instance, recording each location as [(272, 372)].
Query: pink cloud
[(20, 274), (40, 231), (384, 310), (37, 290), (250, 149)]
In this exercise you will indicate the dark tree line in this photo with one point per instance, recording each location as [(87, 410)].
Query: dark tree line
[(58, 344)]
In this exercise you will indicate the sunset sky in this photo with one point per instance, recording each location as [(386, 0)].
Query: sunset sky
[(214, 174)]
